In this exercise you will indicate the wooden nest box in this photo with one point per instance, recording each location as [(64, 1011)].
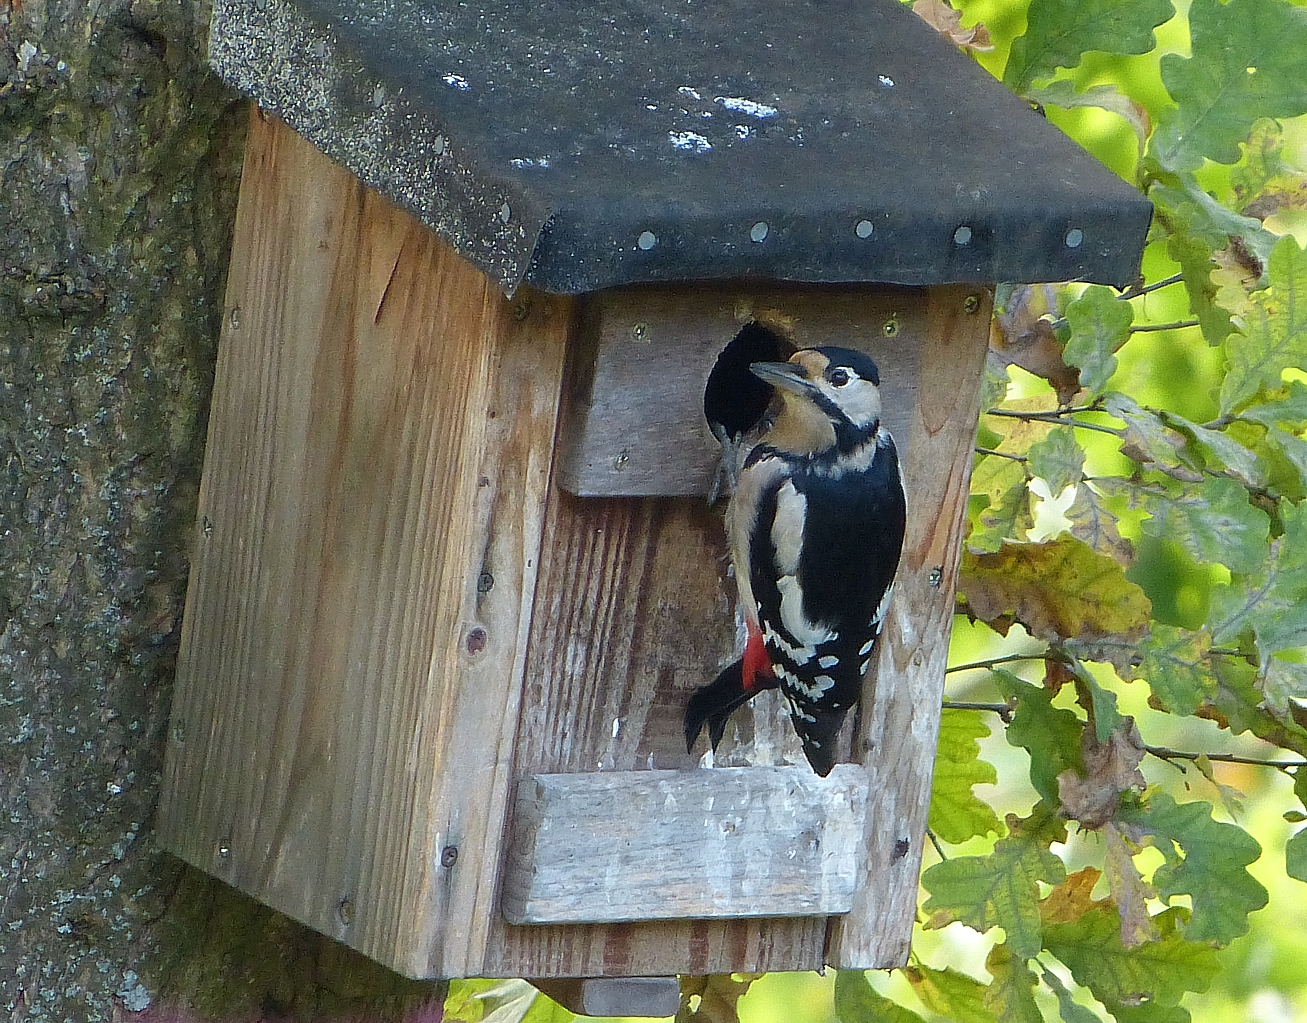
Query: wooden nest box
[(454, 573)]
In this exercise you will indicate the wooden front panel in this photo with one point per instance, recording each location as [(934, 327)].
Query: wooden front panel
[(369, 524), (634, 422)]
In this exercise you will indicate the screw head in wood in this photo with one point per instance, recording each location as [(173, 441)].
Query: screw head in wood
[(485, 582), (936, 576), (621, 461), (971, 305), (891, 327), (476, 640), (448, 856)]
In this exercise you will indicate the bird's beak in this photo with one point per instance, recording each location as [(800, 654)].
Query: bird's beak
[(788, 376)]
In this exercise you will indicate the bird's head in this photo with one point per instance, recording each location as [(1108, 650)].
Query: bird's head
[(830, 399)]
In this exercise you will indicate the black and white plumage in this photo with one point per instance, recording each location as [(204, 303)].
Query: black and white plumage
[(816, 528)]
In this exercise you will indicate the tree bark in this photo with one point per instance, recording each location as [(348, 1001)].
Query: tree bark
[(119, 165)]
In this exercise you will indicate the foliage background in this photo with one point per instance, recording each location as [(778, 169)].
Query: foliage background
[(1117, 797)]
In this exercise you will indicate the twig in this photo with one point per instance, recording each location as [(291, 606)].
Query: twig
[(1164, 753), (935, 842), (1177, 325), (1004, 659), (1133, 292), (1001, 709), (1056, 417), (1001, 454)]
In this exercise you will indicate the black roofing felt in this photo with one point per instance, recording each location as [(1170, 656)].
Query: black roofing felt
[(578, 146)]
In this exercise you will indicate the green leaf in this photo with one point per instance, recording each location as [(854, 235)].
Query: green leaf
[(1280, 405), (1272, 600), (998, 890), (1191, 214), (1058, 459), (1206, 859), (1049, 734), (1295, 855), (1247, 63), (1160, 971), (1056, 589), (1213, 521), (956, 814), (1059, 33), (1063, 93), (1011, 995), (1177, 664), (1146, 439), (1100, 324), (1220, 451), (1070, 1010), (856, 1001), (950, 994), (1094, 523), (1009, 518), (1274, 334), (1196, 264)]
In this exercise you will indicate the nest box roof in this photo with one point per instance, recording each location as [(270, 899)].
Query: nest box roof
[(577, 146)]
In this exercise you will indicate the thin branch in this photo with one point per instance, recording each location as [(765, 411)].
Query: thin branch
[(935, 842), (1133, 292), (1004, 659), (1001, 454), (1055, 417), (1001, 709), (1164, 753), (1177, 325)]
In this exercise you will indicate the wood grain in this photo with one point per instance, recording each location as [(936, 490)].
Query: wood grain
[(635, 424), (617, 846), (633, 610), (370, 515), (902, 694)]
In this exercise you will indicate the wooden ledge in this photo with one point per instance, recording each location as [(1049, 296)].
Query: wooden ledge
[(621, 846)]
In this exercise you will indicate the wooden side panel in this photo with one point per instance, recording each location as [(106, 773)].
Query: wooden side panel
[(902, 695), (370, 516), (635, 424), (615, 846)]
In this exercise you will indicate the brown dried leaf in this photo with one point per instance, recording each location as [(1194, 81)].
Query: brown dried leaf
[(1129, 891), (948, 23), (1071, 899), (1059, 589), (1022, 335), (1111, 767)]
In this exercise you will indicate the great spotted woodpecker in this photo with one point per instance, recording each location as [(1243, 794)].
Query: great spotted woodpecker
[(816, 528)]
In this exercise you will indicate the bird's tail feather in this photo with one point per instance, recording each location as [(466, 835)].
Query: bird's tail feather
[(714, 703)]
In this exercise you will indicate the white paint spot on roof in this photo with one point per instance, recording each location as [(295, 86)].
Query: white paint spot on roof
[(691, 142), (457, 82), (748, 107), (689, 93)]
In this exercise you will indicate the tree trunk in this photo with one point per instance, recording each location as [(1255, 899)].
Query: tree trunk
[(119, 164)]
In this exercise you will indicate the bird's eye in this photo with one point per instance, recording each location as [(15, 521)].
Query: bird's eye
[(839, 377)]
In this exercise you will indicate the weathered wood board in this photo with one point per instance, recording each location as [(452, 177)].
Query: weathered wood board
[(634, 424), (904, 688), (366, 549), (619, 846)]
